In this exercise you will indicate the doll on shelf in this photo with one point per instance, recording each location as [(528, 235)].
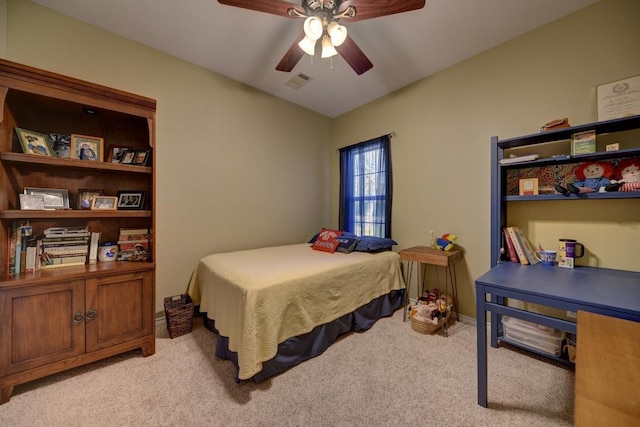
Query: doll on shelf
[(627, 176), (592, 177)]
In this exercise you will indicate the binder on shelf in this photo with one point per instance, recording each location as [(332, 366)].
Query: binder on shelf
[(93, 247), (517, 246)]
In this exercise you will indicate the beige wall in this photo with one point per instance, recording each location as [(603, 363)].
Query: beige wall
[(237, 168), (229, 199), (441, 156)]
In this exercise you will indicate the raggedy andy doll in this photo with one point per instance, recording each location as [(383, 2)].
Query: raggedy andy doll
[(627, 176), (592, 177)]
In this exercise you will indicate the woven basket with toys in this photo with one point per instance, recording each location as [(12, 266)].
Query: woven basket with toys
[(431, 313)]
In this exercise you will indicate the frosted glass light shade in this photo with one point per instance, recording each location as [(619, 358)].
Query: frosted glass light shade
[(308, 46), (327, 48), (313, 27), (337, 32)]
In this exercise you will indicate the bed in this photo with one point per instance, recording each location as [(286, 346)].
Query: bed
[(275, 307)]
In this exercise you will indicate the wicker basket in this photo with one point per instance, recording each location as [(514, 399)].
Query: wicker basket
[(427, 327), (178, 310)]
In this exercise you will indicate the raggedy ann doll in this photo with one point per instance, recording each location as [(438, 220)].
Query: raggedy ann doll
[(592, 177), (627, 176)]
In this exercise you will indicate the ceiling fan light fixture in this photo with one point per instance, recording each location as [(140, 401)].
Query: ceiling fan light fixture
[(313, 27), (308, 46), (327, 48), (337, 32)]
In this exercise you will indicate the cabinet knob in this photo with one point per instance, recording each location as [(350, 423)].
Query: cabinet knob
[(78, 317), (91, 314)]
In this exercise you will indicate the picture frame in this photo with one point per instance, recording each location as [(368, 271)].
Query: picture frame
[(61, 145), (141, 157), (104, 203), (34, 142), (86, 196), (131, 200), (583, 142), (31, 202), (116, 152), (85, 147), (127, 157), (54, 198), (618, 99), (528, 187)]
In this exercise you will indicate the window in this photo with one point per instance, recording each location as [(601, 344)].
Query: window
[(366, 188)]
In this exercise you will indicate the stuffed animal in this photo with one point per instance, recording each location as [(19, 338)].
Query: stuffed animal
[(592, 177), (445, 242), (627, 176)]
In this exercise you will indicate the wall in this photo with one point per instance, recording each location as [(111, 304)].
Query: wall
[(237, 168), (441, 155)]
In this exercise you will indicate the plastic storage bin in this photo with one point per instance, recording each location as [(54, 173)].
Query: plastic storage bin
[(538, 337)]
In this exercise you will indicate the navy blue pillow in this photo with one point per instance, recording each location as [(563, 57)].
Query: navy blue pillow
[(344, 234), (374, 244)]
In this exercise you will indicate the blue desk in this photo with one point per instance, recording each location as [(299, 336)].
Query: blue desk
[(612, 293)]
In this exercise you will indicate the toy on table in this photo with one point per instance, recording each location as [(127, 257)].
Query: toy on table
[(627, 176), (443, 243), (592, 177)]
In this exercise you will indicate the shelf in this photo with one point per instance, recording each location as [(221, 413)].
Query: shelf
[(616, 125), (72, 163), (62, 214), (72, 272), (580, 196), (564, 159)]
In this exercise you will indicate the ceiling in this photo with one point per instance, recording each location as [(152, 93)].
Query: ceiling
[(246, 45)]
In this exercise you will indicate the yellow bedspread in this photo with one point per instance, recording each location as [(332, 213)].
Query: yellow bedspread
[(260, 298)]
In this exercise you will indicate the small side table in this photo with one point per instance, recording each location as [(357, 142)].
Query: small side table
[(427, 256)]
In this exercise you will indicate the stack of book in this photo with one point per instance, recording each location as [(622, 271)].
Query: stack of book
[(519, 248), (65, 246), (133, 244)]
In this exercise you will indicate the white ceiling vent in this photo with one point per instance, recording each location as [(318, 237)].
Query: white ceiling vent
[(297, 81)]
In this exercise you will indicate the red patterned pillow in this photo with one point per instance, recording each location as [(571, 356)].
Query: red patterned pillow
[(327, 240)]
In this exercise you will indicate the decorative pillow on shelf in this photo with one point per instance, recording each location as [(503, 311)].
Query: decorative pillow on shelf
[(346, 245), (327, 240), (374, 244), (344, 234)]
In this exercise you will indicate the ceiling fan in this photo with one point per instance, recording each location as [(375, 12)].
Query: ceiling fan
[(321, 25)]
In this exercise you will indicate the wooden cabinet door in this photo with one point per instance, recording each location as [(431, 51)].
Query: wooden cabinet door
[(41, 325), (119, 308)]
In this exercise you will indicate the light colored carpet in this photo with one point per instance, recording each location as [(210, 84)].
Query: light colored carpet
[(387, 376)]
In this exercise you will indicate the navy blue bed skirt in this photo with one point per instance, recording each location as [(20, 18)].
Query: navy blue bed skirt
[(303, 347)]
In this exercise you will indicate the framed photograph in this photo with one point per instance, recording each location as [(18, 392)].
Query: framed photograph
[(104, 203), (116, 152), (131, 199), (141, 157), (85, 197), (529, 187), (61, 145), (583, 142), (34, 142), (128, 156), (85, 147), (54, 198)]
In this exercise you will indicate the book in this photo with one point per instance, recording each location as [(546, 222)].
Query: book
[(517, 246), (134, 237), (526, 247), (66, 250), (513, 257), (518, 159), (583, 142), (55, 261), (30, 258), (130, 245), (126, 231), (93, 247)]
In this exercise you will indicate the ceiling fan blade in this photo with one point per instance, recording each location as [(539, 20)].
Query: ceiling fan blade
[(274, 7), (351, 53), (292, 57), (367, 9)]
